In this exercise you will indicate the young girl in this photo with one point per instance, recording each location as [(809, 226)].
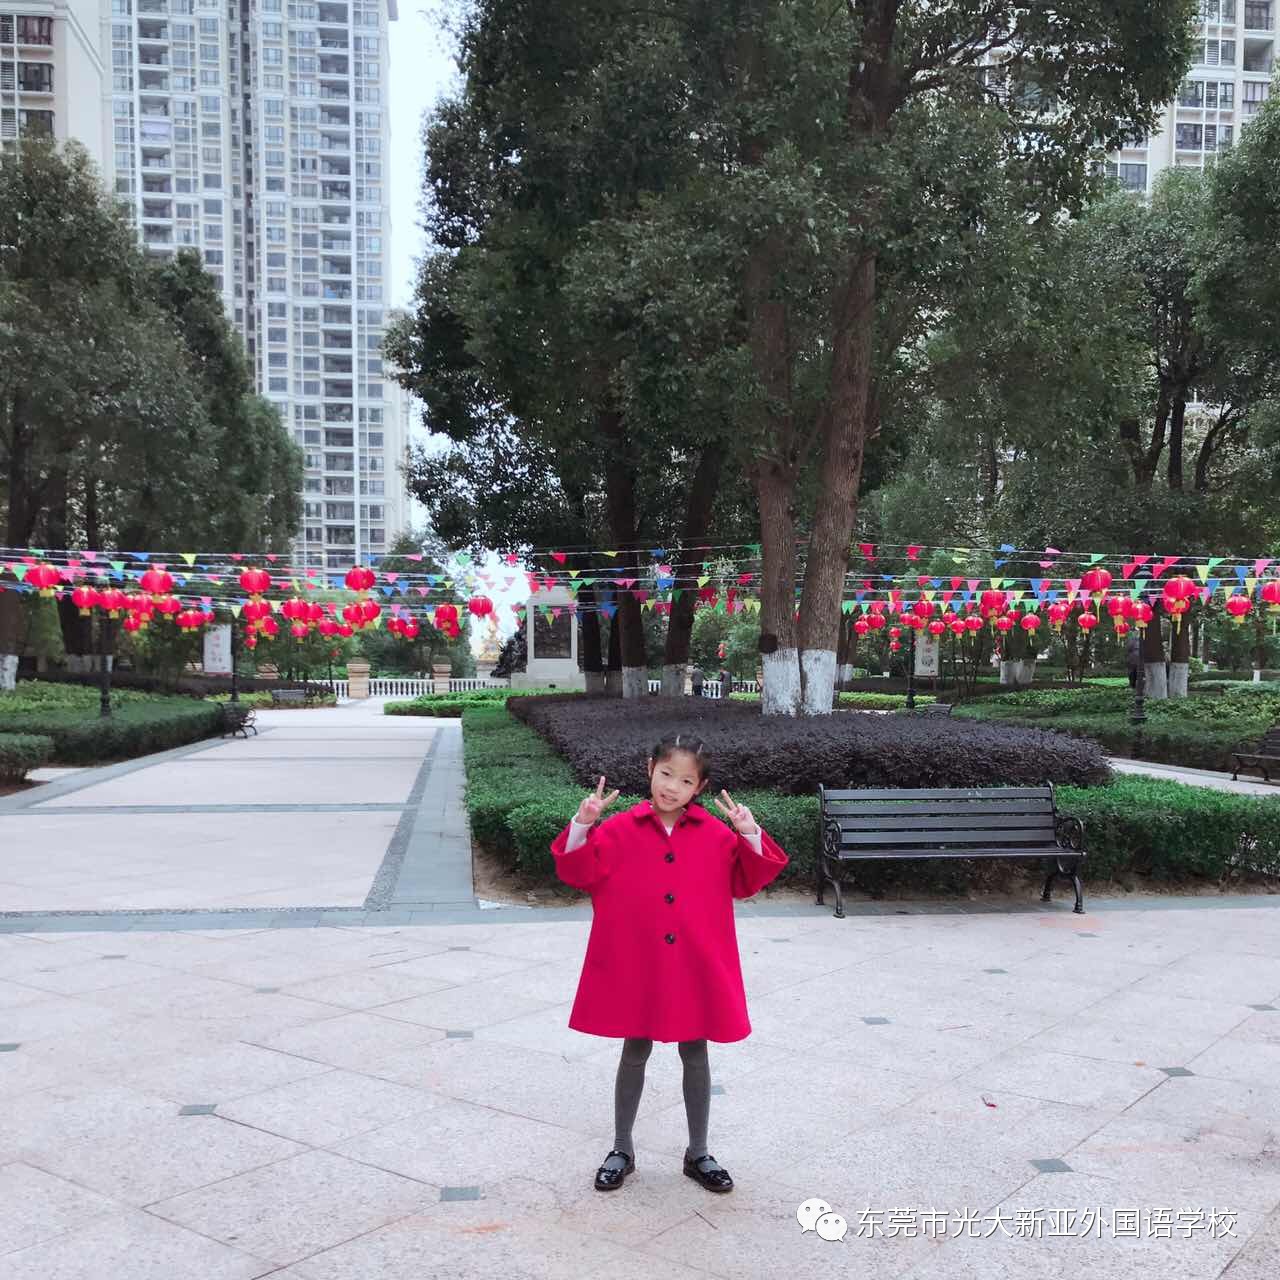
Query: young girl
[(662, 959)]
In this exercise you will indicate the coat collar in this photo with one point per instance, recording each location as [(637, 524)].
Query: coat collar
[(694, 812)]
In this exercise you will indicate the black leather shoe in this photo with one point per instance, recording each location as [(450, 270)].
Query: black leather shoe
[(612, 1179), (712, 1179)]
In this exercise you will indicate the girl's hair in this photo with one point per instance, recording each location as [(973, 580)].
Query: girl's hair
[(685, 742)]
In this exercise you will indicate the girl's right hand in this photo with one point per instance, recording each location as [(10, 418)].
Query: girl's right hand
[(595, 804)]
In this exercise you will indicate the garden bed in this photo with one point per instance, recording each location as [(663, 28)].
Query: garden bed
[(1140, 833), (139, 724)]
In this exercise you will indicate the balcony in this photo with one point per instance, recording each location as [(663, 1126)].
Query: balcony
[(335, 168), (333, 65), (333, 13), (332, 116), (329, 94), (1258, 57), (157, 235), (341, 244), (152, 6), (157, 209), (35, 77), (335, 267), (1257, 15), (335, 191), (336, 293), (157, 186)]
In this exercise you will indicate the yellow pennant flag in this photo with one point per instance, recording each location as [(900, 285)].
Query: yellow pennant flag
[(189, 557), (1249, 584), (1203, 571)]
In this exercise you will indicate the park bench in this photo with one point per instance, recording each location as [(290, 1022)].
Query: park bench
[(289, 696), (1264, 755), (237, 718), (927, 709), (979, 822)]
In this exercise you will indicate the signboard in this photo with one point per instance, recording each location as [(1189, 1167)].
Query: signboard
[(217, 651), (552, 638), (928, 651)]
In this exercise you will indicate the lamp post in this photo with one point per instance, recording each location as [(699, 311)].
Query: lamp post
[(106, 634), (235, 688), (1138, 716), (911, 672)]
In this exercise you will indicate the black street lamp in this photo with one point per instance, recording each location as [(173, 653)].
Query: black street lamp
[(911, 672)]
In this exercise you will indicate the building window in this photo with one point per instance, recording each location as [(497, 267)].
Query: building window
[(1189, 137), (1191, 94), (35, 31), (35, 77)]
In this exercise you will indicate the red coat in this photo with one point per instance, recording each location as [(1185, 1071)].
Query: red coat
[(662, 959)]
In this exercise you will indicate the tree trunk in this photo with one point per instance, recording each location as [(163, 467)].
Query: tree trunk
[(620, 499), (1177, 423), (843, 440), (1179, 658), (1153, 657), (844, 652), (592, 653), (613, 673), (775, 489), (20, 519), (1259, 645), (697, 520)]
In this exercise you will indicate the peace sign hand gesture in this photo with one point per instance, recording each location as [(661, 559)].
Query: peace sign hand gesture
[(595, 804), (738, 814)]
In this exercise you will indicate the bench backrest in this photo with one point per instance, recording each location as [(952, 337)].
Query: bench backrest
[(911, 822)]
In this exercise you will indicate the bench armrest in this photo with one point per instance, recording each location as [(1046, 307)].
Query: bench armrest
[(1069, 833)]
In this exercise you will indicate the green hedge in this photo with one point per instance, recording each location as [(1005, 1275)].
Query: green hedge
[(22, 752), (454, 704), (1197, 732), (859, 701), (81, 737), (520, 794)]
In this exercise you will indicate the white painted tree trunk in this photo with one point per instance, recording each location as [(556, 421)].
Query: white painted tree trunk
[(819, 667), (846, 675), (1257, 675), (1157, 681), (635, 682), (8, 672), (613, 683), (780, 695), (673, 679), (1026, 671), (595, 681), (1008, 671), (1178, 672)]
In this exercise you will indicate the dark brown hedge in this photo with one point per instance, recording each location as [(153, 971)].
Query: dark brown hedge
[(614, 737)]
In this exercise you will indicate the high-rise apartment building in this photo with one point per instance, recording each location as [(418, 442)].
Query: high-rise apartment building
[(256, 131), (51, 71), (1229, 80)]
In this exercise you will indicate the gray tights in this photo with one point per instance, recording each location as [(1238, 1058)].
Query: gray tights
[(630, 1084)]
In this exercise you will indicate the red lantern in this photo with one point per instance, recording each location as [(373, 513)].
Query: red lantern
[(1181, 588), (369, 609), (991, 604), (156, 582), (346, 631), (44, 577), (937, 627), (922, 608), (1096, 582), (1122, 628), (973, 623), (862, 626), (190, 619), (299, 630), (359, 578), (113, 600), (1141, 613), (480, 606), (327, 627), (446, 617), (169, 606), (394, 625), (1271, 596), (134, 622), (1030, 623), (1239, 607), (256, 610), (958, 627), (894, 633), (895, 645), (269, 627), (255, 581), (409, 628), (1087, 622), (353, 614), (1058, 615), (315, 613), (875, 621), (295, 609), (84, 598), (1119, 607)]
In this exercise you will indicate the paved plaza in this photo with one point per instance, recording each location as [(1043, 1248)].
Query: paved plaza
[(253, 1022)]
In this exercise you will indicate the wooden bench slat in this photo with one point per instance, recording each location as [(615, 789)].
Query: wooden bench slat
[(1027, 821), (957, 835), (938, 808), (939, 793), (899, 853)]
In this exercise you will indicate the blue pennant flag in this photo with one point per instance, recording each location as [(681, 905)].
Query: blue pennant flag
[(1242, 572), (608, 610)]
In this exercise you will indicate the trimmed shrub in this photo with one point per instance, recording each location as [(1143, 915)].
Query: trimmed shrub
[(454, 704), (133, 729), (22, 752), (520, 796), (859, 701), (749, 752)]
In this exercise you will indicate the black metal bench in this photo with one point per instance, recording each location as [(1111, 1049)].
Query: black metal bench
[(290, 696), (237, 718), (979, 822), (927, 709), (1265, 755)]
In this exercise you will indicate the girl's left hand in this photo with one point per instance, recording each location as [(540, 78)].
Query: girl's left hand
[(738, 814)]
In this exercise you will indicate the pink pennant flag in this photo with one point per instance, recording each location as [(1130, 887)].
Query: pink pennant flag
[(1259, 566), (627, 583), (390, 577), (640, 594), (1164, 566), (423, 591), (1129, 570), (955, 583), (868, 550), (414, 555), (1139, 561), (973, 583), (511, 558), (913, 553)]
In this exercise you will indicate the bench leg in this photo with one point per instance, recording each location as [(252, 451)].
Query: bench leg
[(1073, 875)]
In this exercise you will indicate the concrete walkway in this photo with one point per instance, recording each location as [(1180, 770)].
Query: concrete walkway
[(340, 808), (254, 1089), (1245, 786)]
